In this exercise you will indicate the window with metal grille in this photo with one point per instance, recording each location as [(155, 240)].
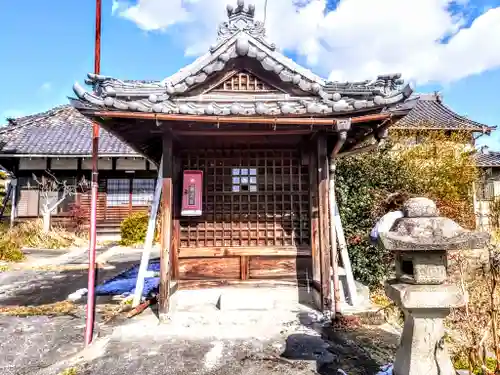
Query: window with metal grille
[(142, 191), (118, 192)]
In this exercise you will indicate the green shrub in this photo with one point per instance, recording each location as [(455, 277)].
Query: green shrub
[(362, 184), (133, 229), (461, 363)]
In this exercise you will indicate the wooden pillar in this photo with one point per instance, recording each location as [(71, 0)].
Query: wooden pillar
[(314, 225), (166, 229), (177, 192), (324, 227), (13, 206)]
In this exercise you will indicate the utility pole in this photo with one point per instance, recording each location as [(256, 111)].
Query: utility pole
[(89, 324)]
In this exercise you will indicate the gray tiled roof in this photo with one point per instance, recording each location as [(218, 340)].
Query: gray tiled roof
[(64, 131), (488, 159), (427, 111), (241, 43), (59, 131)]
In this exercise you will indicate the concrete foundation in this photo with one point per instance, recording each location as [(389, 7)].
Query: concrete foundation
[(263, 300)]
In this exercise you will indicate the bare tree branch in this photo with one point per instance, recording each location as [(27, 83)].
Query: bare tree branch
[(49, 184)]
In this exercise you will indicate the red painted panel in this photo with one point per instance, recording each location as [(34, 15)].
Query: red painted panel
[(192, 193)]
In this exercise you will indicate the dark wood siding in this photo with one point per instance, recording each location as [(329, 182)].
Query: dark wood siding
[(251, 198), (255, 223), (134, 194)]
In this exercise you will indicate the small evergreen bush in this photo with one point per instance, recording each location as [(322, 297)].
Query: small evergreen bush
[(363, 183), (133, 229)]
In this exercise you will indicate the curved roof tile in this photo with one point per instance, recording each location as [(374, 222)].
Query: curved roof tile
[(488, 159), (427, 111), (58, 131), (243, 37)]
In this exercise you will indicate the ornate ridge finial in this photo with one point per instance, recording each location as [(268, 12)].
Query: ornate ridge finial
[(241, 18), (240, 10)]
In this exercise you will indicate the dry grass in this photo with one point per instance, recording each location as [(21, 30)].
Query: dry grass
[(110, 312), (393, 315), (62, 268), (70, 371), (51, 309), (31, 234)]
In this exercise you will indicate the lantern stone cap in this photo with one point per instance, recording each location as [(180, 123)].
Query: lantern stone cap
[(422, 229)]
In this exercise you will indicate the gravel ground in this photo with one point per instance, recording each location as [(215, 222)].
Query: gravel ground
[(239, 342), (28, 344), (279, 344)]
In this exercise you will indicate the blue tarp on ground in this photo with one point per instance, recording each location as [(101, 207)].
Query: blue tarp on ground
[(125, 282), (384, 370)]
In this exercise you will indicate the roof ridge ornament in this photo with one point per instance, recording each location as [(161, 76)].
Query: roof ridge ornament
[(240, 19), (240, 9)]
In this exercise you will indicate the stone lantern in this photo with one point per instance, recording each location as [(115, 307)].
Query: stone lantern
[(420, 241)]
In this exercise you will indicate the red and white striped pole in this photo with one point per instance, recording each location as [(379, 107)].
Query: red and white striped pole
[(89, 324)]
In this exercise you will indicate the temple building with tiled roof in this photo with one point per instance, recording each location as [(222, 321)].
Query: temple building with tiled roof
[(246, 139)]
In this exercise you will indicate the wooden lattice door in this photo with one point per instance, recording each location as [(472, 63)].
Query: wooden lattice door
[(255, 206)]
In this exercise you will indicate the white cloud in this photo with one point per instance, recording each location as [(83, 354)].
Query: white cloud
[(115, 7), (358, 39), (46, 86), (152, 14)]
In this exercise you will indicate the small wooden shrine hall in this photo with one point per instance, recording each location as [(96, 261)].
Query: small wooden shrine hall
[(245, 138)]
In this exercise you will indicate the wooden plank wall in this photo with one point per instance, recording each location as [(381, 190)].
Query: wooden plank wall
[(166, 228)]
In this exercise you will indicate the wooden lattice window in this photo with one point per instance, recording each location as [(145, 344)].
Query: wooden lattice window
[(118, 192), (244, 81), (244, 179), (142, 191), (271, 210)]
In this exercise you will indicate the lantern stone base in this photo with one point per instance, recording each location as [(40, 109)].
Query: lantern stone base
[(411, 296), (422, 349)]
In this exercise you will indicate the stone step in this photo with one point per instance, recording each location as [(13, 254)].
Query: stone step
[(249, 300), (241, 299), (280, 298)]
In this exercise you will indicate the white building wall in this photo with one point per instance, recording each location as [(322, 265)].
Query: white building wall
[(124, 164), (103, 164), (64, 163), (33, 163)]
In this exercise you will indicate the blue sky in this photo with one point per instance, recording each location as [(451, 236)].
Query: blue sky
[(48, 45)]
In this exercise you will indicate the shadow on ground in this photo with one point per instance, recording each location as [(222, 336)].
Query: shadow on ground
[(32, 287), (362, 350)]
